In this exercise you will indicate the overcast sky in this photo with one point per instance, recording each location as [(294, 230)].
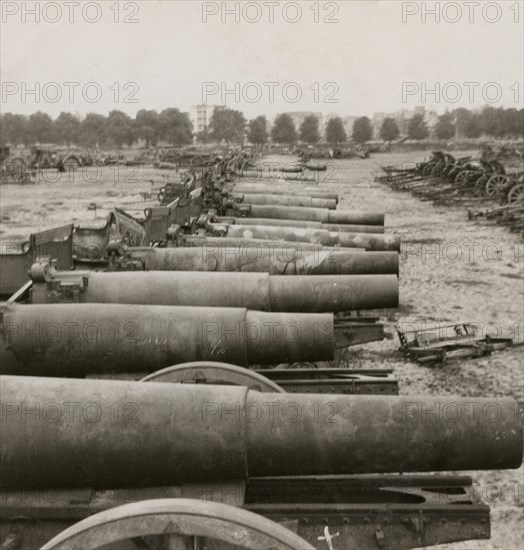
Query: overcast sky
[(361, 62)]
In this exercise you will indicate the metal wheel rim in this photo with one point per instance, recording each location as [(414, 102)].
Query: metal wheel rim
[(516, 194), (462, 177), (177, 517), (214, 373), (494, 184)]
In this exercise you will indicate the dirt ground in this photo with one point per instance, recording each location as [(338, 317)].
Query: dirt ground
[(451, 270)]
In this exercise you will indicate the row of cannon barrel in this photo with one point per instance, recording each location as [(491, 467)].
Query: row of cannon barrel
[(489, 188), (169, 381)]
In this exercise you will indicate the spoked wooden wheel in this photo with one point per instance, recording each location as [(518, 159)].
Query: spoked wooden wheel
[(462, 177), (15, 169), (516, 194), (495, 184), (177, 524)]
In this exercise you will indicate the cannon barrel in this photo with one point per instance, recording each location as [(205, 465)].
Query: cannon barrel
[(353, 228), (278, 176), (59, 433), (79, 339), (257, 291), (316, 214), (285, 200), (306, 224), (233, 243), (367, 241), (280, 261), (314, 192)]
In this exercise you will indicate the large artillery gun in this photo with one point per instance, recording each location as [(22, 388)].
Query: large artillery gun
[(491, 180), (126, 465), (14, 169), (186, 222), (257, 291), (276, 260), (227, 201), (150, 319), (132, 341), (341, 282)]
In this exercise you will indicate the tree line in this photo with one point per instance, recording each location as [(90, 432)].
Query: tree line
[(95, 130), (174, 127), (461, 123)]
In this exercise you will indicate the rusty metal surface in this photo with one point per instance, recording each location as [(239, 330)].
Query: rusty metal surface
[(90, 241), (353, 228), (289, 213), (270, 221), (279, 261), (256, 291), (350, 228), (334, 381), (15, 261), (367, 512), (316, 192), (78, 339), (241, 243), (316, 214), (272, 175), (367, 241), (178, 521), (275, 233), (284, 200), (185, 433), (334, 292), (154, 439), (372, 512), (356, 217), (371, 434)]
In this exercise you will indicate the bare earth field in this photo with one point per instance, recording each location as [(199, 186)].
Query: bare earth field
[(451, 270)]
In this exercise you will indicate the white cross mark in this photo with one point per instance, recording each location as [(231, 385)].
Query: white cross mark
[(328, 537)]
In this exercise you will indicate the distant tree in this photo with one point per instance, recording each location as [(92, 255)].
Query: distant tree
[(362, 130), (67, 129), (257, 133), (284, 130), (4, 128), (119, 129), (472, 126), (467, 123), (93, 130), (175, 127), (445, 127), (389, 130), (417, 127), (514, 123), (335, 132), (13, 129), (227, 125), (309, 132), (203, 136), (40, 128), (492, 122), (146, 126)]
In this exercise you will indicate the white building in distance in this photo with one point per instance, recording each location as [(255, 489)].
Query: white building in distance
[(200, 116)]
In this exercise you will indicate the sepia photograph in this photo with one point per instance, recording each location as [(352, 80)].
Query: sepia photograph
[(261, 275)]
